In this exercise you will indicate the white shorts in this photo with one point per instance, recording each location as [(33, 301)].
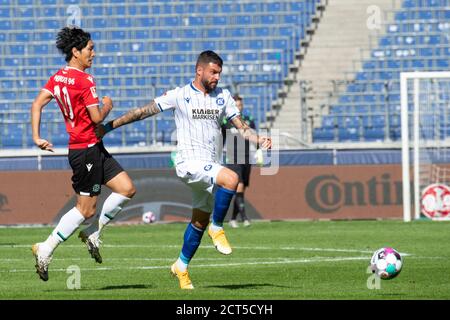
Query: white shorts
[(200, 176)]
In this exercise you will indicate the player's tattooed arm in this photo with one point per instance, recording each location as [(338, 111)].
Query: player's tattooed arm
[(133, 115), (250, 134)]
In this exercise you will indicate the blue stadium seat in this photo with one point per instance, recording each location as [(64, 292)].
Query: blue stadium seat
[(52, 24), (24, 2), (273, 6), (329, 121), (5, 12), (124, 22), (196, 21), (160, 46), (443, 63), (374, 134), (232, 45), (348, 134), (5, 25)]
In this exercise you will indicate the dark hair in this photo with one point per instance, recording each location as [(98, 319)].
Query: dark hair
[(209, 56), (69, 38), (237, 97)]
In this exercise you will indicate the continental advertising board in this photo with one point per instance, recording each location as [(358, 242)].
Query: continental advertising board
[(295, 192)]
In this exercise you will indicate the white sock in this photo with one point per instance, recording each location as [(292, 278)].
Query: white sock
[(66, 226), (112, 206), (48, 246), (215, 228), (181, 265)]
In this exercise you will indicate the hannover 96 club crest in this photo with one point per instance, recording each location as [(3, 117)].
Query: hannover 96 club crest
[(435, 202)]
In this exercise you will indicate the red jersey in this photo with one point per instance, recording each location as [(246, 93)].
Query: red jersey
[(74, 91)]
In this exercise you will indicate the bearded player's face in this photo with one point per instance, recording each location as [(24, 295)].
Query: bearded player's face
[(210, 76)]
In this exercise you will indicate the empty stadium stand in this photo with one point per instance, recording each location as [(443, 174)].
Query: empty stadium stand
[(369, 108), (143, 49)]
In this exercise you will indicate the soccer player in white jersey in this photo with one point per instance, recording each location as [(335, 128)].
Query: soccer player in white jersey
[(199, 108)]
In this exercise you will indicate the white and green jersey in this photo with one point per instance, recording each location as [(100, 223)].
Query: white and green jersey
[(198, 119)]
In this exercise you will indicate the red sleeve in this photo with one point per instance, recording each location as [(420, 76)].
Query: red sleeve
[(89, 96), (49, 86)]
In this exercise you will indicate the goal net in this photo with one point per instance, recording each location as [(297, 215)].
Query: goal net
[(425, 125)]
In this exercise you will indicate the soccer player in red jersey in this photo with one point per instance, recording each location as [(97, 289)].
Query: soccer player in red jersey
[(75, 92)]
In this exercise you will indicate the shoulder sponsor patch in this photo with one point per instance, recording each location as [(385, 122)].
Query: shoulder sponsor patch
[(94, 92)]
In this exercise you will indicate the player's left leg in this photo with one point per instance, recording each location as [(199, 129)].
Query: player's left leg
[(115, 178), (191, 242), (121, 185), (123, 190)]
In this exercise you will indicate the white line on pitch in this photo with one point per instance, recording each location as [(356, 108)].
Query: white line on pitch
[(285, 261), (134, 259), (208, 246)]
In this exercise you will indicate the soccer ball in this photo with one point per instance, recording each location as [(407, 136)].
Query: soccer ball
[(386, 263), (148, 217)]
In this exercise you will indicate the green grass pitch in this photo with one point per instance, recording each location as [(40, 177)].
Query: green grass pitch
[(271, 260)]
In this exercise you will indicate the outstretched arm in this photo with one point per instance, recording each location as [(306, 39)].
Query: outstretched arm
[(249, 134), (133, 115)]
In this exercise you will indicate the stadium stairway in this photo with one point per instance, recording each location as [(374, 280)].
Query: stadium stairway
[(341, 38)]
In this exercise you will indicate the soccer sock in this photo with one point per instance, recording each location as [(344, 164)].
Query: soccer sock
[(240, 204), (235, 208), (66, 226), (112, 206), (221, 204), (192, 238)]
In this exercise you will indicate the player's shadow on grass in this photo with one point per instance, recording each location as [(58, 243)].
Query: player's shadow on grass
[(245, 286), (128, 286)]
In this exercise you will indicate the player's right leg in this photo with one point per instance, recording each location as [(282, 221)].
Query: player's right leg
[(43, 251), (226, 184)]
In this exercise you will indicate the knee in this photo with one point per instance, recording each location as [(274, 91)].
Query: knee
[(127, 190), (201, 224), (130, 192), (87, 212), (231, 181), (200, 218)]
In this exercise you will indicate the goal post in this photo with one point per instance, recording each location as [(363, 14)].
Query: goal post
[(425, 132)]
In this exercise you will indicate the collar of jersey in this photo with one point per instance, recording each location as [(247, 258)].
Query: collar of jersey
[(72, 68), (194, 88), (198, 91)]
